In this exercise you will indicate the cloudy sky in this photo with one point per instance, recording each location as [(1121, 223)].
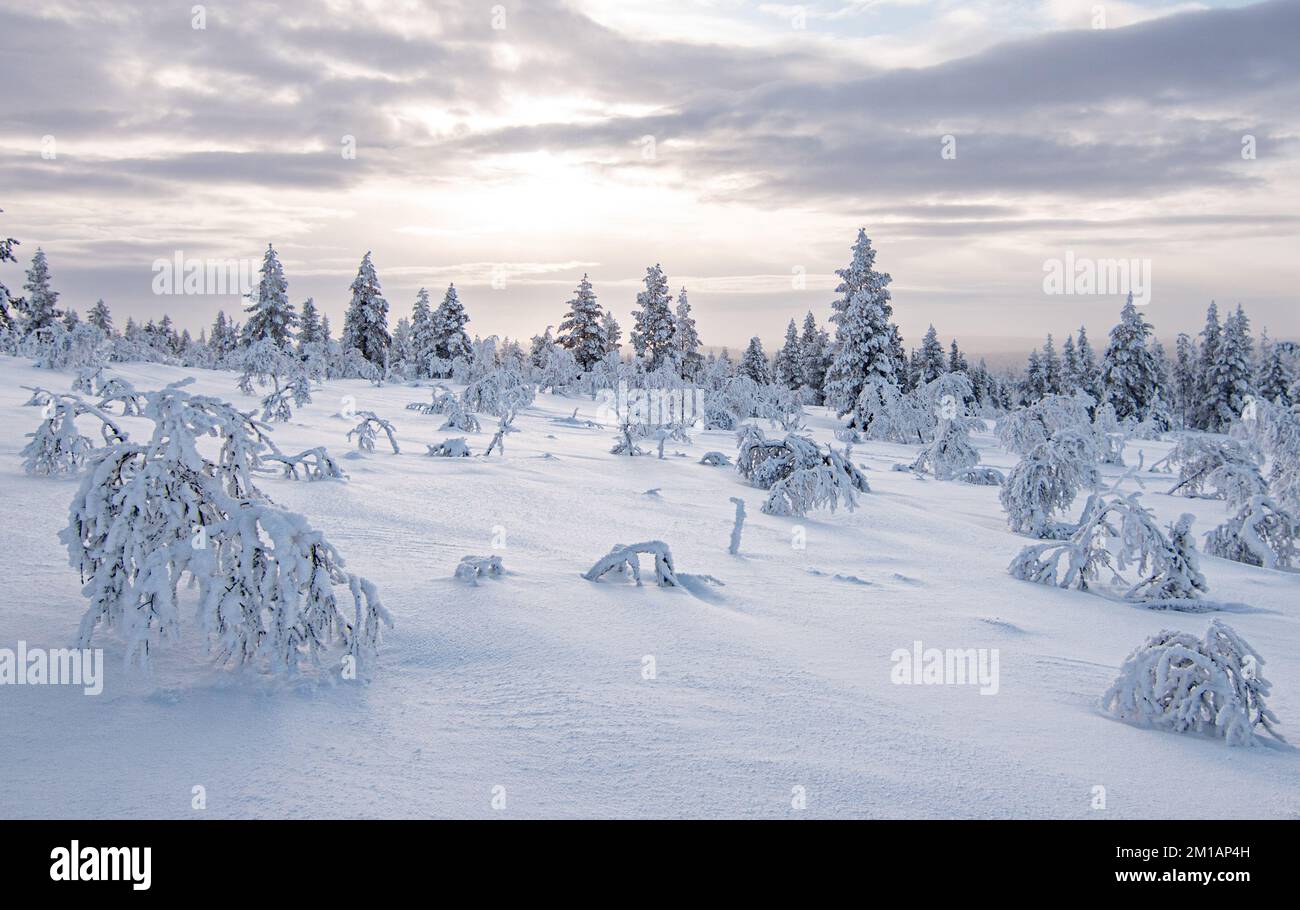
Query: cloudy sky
[(739, 144)]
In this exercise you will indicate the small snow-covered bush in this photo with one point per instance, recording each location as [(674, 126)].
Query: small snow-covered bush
[(1178, 683), (1262, 533), (316, 464), (982, 477), (951, 454), (265, 363), (460, 419), (798, 474), (449, 448), (500, 393), (715, 460), (472, 568), (624, 560), (624, 445), (1046, 480), (368, 429)]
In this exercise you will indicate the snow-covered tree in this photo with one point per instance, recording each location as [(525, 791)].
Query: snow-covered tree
[(1180, 684), (1129, 375), (270, 315), (1207, 416), (754, 365), (309, 326), (223, 340), (100, 317), (613, 333), (1089, 379), (930, 360), (449, 321), (40, 306), (1229, 384), (148, 514), (582, 331), (1046, 480), (1186, 384), (1260, 533), (686, 340), (365, 326), (814, 356), (1175, 573), (500, 393), (788, 369), (864, 335), (653, 324), (1275, 377)]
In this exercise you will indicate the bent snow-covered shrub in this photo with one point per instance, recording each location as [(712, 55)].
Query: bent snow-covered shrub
[(1116, 535), (368, 429), (798, 473), (1262, 533), (316, 464), (1216, 466), (624, 560), (57, 446), (1181, 684), (147, 515), (472, 568), (500, 393), (449, 448)]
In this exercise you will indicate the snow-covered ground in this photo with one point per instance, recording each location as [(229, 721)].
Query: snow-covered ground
[(536, 683)]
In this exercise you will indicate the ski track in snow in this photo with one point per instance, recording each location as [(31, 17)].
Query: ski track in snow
[(778, 678)]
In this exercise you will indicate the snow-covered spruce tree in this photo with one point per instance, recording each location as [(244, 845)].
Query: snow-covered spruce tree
[(613, 333), (40, 307), (788, 368), (686, 340), (309, 326), (265, 363), (1046, 480), (365, 326), (367, 432), (1213, 687), (653, 325), (754, 365), (1274, 377), (1207, 412), (57, 447), (148, 514), (449, 321), (864, 336), (814, 357), (270, 315), (1186, 384), (423, 341), (1089, 369), (1229, 385), (930, 360), (1129, 375), (582, 329), (101, 318)]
